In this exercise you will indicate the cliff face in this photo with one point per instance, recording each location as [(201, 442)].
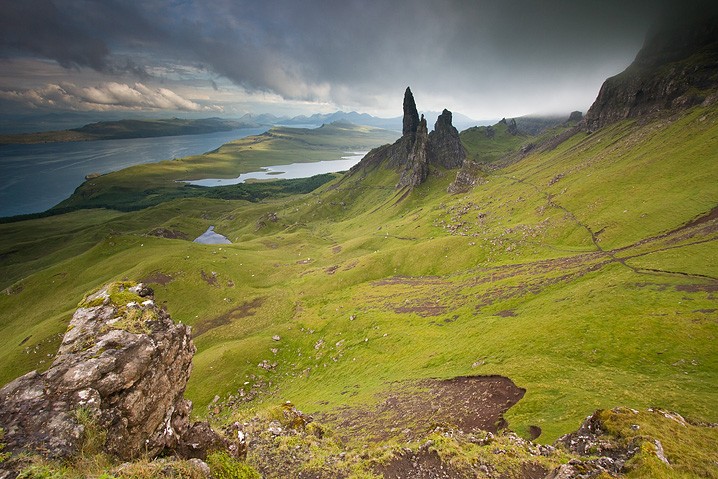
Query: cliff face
[(124, 367), (411, 115), (677, 68), (416, 167), (418, 151), (445, 147)]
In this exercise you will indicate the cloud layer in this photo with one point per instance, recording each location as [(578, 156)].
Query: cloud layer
[(481, 56), (106, 97)]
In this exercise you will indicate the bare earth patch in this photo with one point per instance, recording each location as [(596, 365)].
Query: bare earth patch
[(168, 233), (210, 279), (410, 410), (424, 310), (423, 464), (698, 288), (245, 309), (157, 277)]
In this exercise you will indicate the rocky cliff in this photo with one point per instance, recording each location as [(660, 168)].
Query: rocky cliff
[(677, 68), (417, 152), (122, 366)]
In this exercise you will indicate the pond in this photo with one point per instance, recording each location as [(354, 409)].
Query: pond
[(291, 171), (210, 237)]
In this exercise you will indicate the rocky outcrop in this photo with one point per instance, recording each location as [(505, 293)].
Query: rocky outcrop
[(601, 452), (416, 168), (575, 117), (417, 152), (467, 177), (445, 146), (411, 115), (122, 368), (677, 68)]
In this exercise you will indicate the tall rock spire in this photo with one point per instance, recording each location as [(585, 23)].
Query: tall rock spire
[(411, 115), (417, 153), (416, 168)]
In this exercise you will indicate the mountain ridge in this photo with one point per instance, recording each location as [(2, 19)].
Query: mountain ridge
[(674, 70)]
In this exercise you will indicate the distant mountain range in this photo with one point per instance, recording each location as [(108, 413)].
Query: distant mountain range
[(59, 127), (460, 121)]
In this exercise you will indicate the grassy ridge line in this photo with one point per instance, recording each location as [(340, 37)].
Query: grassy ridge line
[(520, 287), (125, 129)]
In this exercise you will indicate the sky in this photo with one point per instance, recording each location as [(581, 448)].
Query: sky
[(485, 59)]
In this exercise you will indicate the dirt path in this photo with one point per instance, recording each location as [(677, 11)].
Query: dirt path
[(700, 220)]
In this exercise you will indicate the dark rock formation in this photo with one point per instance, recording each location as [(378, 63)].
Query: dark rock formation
[(677, 68), (575, 116), (411, 115), (415, 154), (122, 367), (416, 168), (445, 146)]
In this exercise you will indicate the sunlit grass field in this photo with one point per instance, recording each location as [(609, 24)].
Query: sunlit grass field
[(571, 272)]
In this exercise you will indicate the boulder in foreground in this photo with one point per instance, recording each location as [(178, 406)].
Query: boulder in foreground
[(123, 366)]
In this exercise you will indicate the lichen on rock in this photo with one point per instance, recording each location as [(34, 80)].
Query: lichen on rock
[(123, 362)]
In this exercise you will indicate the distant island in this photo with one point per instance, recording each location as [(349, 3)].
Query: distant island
[(124, 129)]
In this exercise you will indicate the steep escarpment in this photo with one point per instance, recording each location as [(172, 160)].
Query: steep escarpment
[(677, 68), (417, 152), (122, 366)]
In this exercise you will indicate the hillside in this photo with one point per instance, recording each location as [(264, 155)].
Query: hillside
[(123, 129), (580, 276), (149, 185)]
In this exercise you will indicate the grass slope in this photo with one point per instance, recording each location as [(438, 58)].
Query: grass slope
[(151, 184), (122, 129), (581, 273)]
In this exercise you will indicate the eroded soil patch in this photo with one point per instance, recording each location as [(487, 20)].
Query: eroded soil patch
[(423, 464), (424, 310), (210, 279), (698, 288), (168, 233), (244, 310), (410, 410), (157, 277)]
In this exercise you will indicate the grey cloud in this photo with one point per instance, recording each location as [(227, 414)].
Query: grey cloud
[(344, 51), (38, 27), (106, 97), (350, 52), (76, 33)]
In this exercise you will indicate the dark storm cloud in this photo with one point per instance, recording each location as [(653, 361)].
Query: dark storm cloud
[(38, 27), (348, 52), (75, 33)]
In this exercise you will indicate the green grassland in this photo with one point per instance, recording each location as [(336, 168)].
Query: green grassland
[(148, 185), (487, 144), (111, 130), (579, 272)]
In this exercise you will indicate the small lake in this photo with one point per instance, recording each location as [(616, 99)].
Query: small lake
[(286, 172), (35, 178), (211, 237)]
